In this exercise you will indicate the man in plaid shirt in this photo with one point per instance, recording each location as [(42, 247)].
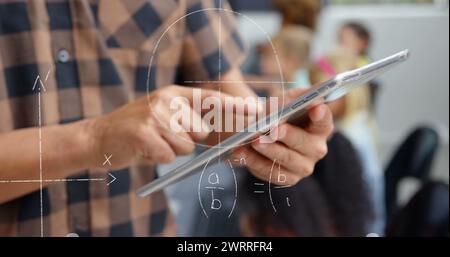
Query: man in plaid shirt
[(94, 105)]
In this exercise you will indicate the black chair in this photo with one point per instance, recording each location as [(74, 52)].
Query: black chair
[(426, 214), (413, 158)]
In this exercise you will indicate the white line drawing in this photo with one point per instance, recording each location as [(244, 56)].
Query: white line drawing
[(220, 67), (270, 182), (237, 81), (39, 85), (113, 179), (40, 160), (259, 191), (235, 188), (220, 9), (40, 88), (59, 180), (288, 200), (216, 177), (213, 201), (281, 178), (212, 188), (279, 187), (241, 160), (52, 180), (281, 80), (107, 160), (219, 188), (198, 190)]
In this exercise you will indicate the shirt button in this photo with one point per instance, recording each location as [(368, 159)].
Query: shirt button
[(63, 55)]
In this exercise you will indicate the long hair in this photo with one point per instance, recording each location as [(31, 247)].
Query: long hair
[(299, 12), (332, 202)]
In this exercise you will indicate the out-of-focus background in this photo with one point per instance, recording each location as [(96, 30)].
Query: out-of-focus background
[(413, 98), (415, 93)]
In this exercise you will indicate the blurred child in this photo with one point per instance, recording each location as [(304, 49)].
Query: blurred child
[(292, 45), (333, 201), (356, 37), (355, 120), (292, 42), (298, 23), (298, 12)]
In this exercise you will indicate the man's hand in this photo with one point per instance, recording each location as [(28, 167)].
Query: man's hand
[(141, 130), (296, 150)]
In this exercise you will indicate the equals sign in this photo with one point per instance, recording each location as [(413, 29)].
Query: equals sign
[(258, 191)]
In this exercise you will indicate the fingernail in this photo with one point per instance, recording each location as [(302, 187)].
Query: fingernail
[(320, 114), (259, 145), (267, 139), (282, 131), (237, 151)]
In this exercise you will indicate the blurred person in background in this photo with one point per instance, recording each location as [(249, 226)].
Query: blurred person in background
[(298, 25), (355, 120), (322, 204), (292, 43), (356, 37), (333, 201)]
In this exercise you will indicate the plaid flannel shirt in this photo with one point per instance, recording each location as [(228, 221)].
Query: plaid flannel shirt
[(99, 52)]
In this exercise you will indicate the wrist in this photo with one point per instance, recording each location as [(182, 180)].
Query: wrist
[(85, 143)]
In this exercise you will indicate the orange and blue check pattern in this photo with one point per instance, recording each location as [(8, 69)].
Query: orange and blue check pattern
[(99, 52)]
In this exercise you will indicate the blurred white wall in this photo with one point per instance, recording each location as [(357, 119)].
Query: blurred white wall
[(416, 92)]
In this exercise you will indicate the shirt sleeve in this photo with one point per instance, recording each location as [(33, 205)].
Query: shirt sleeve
[(212, 44)]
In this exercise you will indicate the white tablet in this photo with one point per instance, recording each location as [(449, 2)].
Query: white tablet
[(330, 90)]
